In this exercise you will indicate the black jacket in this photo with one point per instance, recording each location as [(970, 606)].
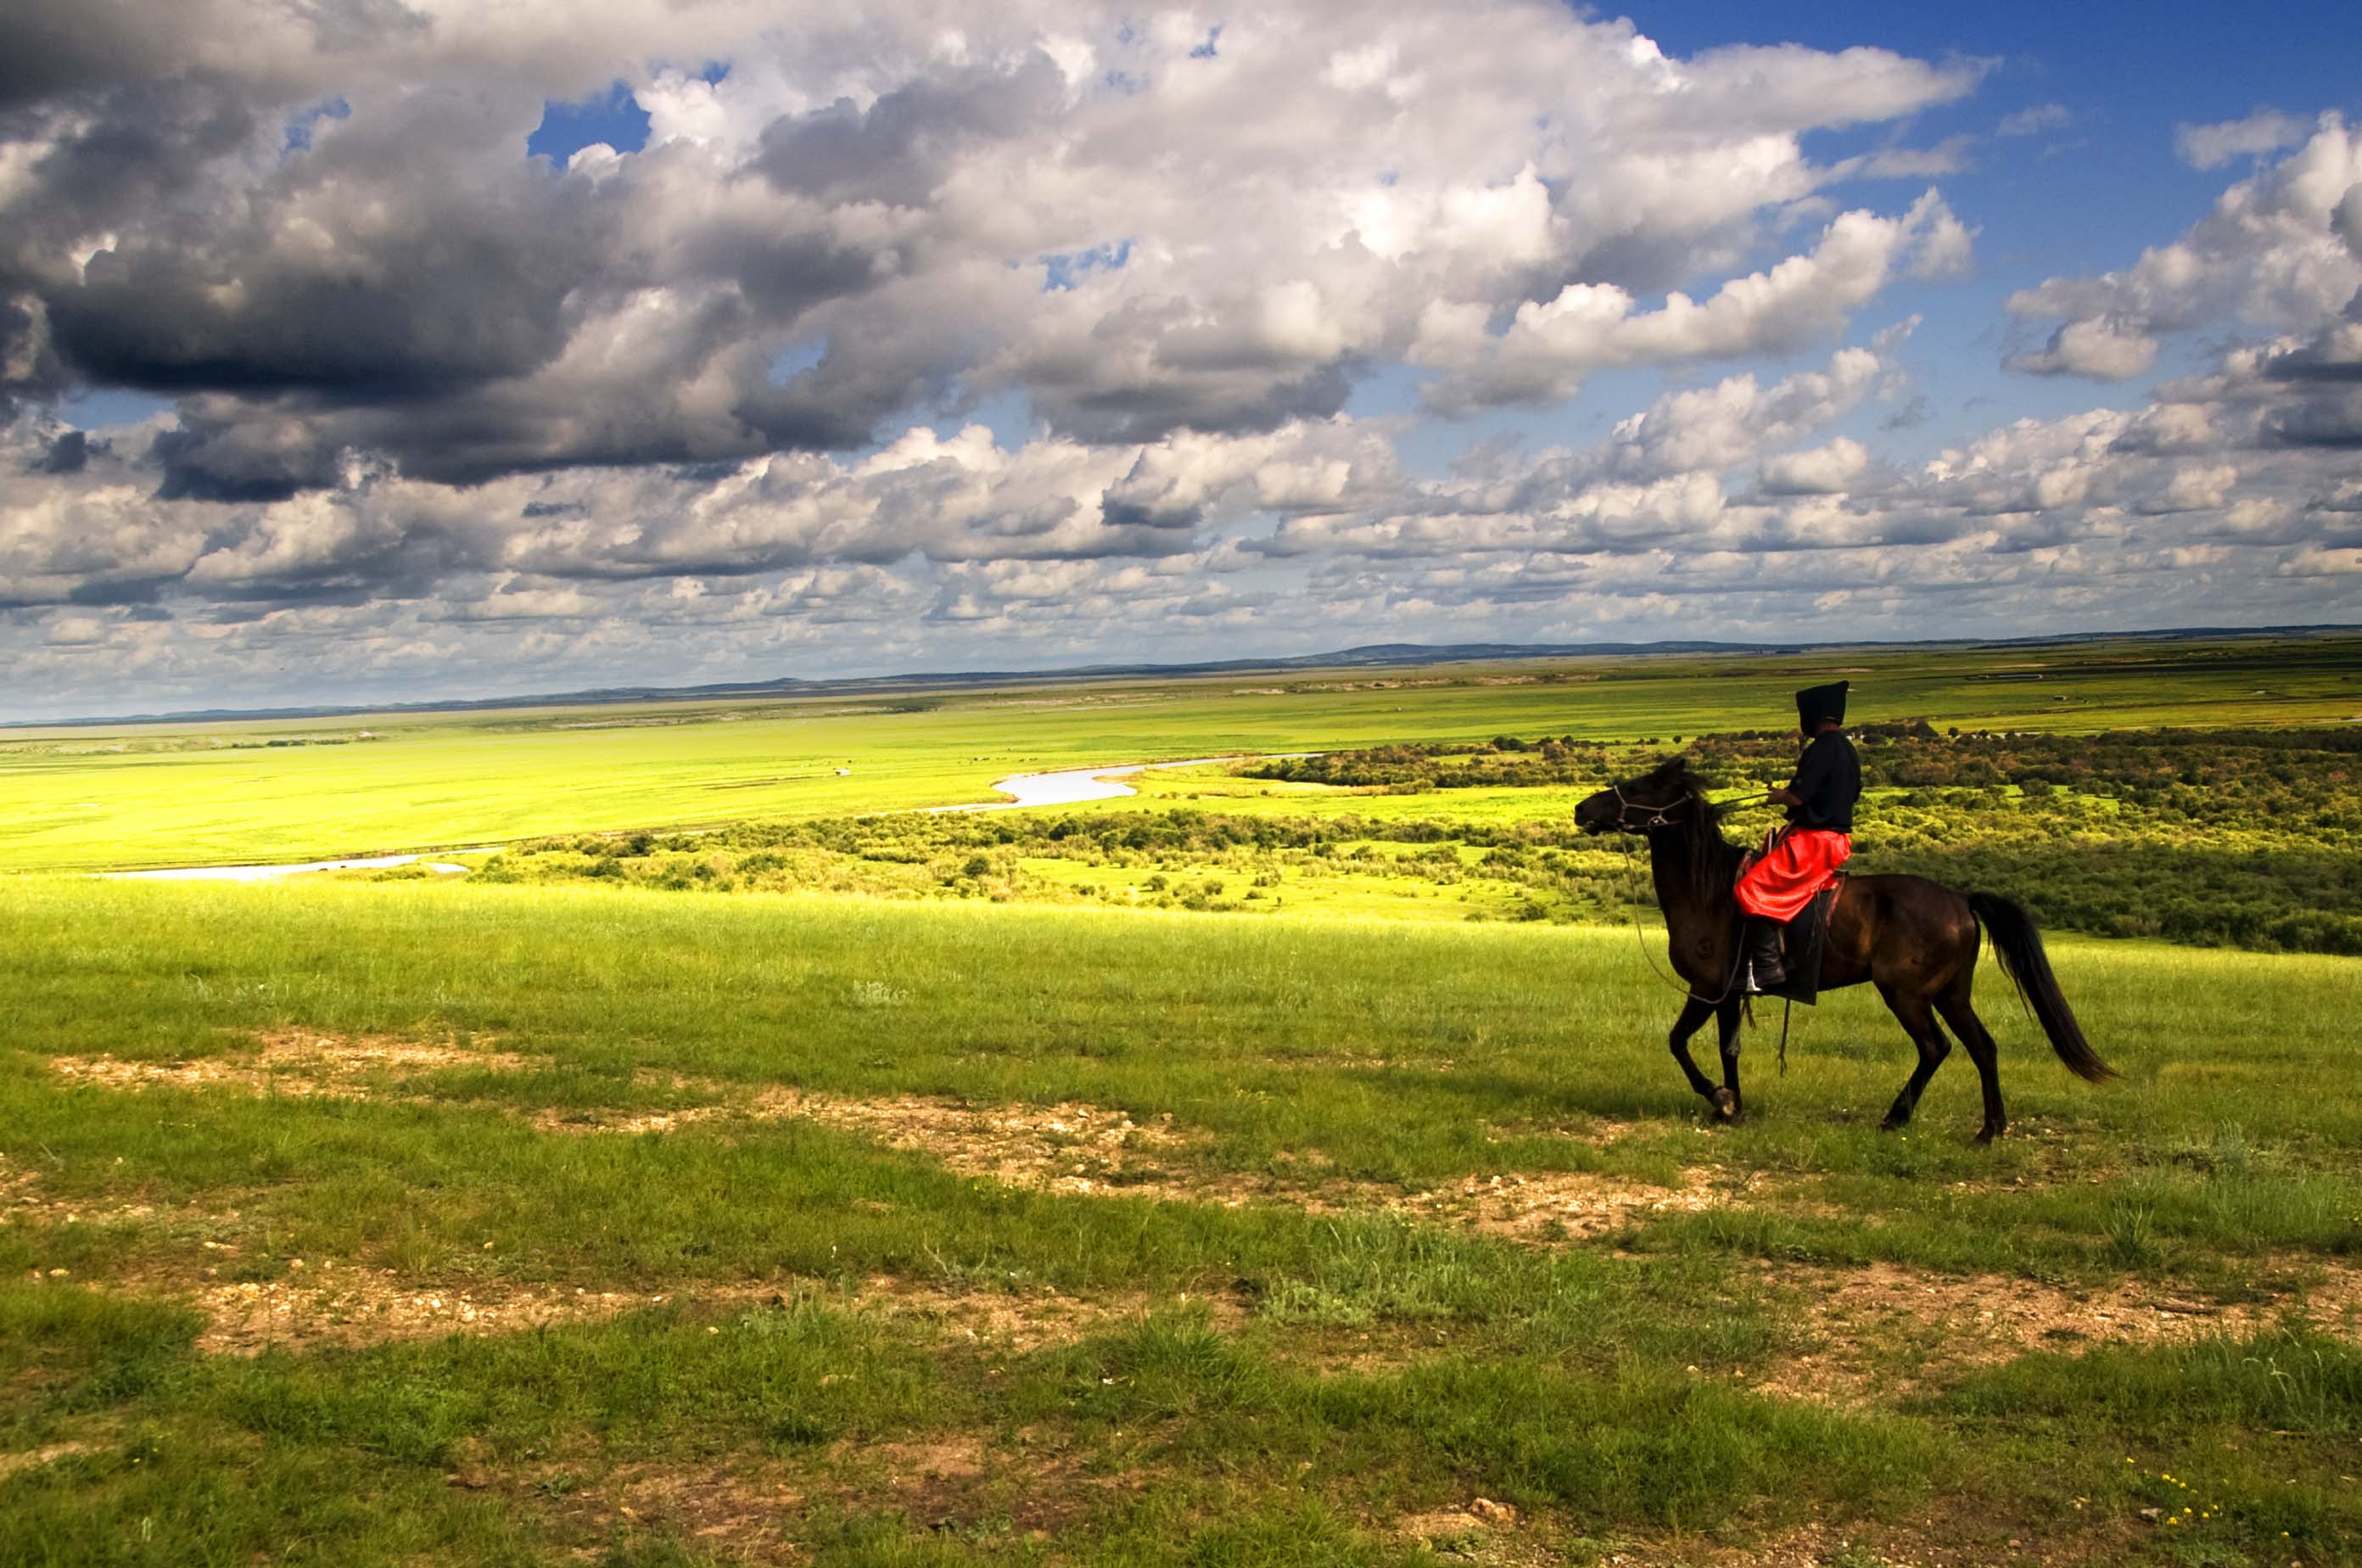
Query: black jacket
[(1828, 781)]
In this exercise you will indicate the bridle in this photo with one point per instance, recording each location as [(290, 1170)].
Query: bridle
[(1662, 816)]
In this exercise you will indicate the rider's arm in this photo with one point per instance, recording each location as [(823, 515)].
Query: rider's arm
[(1812, 776)]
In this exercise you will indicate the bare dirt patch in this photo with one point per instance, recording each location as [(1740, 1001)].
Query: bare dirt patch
[(1921, 1543), (356, 1305), (1077, 1148), (23, 1201), (297, 1063), (322, 1303), (761, 1510), (1086, 1149), (1887, 1329), (744, 1508), (1483, 1531), (34, 1459), (1069, 1148), (1561, 1205)]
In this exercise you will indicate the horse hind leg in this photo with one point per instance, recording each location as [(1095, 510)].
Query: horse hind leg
[(1954, 1005), (1919, 1022)]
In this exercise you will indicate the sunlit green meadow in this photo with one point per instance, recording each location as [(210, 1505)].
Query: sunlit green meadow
[(1353, 1212), (1257, 1378), (300, 789)]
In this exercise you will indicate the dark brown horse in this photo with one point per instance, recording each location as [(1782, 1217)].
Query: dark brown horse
[(1913, 939)]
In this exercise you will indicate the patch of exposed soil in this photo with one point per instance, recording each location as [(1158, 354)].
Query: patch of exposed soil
[(22, 1201), (1949, 1323), (1483, 1531), (354, 1305), (1068, 1147), (742, 1508), (1078, 1148), (1915, 1544), (321, 1303), (1559, 1205), (300, 1063), (15, 1463)]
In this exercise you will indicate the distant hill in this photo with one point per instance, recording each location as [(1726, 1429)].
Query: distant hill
[(1366, 655)]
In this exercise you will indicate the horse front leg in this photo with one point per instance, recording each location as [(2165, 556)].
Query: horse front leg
[(1694, 1016), (1726, 1098)]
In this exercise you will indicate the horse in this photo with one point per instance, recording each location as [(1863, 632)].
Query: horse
[(1915, 939)]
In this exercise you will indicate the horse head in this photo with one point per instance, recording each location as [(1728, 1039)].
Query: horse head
[(1666, 794)]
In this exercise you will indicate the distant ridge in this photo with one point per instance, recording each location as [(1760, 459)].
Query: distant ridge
[(1366, 655)]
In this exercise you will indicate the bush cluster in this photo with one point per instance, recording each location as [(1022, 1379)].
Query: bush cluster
[(2208, 838)]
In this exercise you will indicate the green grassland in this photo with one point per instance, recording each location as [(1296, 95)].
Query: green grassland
[(99, 797), (2236, 837), (1258, 1170), (1267, 1380)]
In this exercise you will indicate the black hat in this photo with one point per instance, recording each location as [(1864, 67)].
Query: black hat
[(1815, 704)]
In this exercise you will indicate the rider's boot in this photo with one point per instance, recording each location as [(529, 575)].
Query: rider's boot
[(1765, 969)]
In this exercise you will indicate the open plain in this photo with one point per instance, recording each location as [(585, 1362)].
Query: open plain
[(1280, 1165)]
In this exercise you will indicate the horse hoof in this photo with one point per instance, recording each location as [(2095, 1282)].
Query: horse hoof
[(1987, 1134), (1894, 1124), (1725, 1105)]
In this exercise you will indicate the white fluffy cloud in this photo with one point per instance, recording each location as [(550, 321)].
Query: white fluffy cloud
[(2271, 255), (1551, 346), (1137, 224), (2210, 147), (448, 417)]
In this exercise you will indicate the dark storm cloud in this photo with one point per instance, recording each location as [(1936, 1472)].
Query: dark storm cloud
[(1215, 406), (397, 280), (69, 454), (898, 148), (331, 276), (47, 50)]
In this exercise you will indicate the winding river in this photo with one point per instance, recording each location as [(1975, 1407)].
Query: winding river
[(1072, 784), (1065, 787)]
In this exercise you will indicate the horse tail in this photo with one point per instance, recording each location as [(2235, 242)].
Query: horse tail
[(2019, 947)]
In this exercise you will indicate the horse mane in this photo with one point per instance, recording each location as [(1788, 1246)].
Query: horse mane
[(1712, 858)]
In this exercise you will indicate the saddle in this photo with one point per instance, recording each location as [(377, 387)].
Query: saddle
[(1803, 942)]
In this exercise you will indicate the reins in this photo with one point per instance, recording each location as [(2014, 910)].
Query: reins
[(1662, 816)]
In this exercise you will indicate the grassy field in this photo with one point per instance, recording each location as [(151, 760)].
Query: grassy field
[(94, 798), (1253, 1172), (350, 1224)]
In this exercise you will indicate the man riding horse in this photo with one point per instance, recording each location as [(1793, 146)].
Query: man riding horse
[(1803, 857), (1915, 940)]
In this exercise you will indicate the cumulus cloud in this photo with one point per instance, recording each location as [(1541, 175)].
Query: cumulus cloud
[(2104, 348), (2272, 254), (1134, 229), (1820, 471), (1551, 346), (2210, 147), (1030, 335)]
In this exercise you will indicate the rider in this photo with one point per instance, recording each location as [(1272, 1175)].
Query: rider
[(1801, 859)]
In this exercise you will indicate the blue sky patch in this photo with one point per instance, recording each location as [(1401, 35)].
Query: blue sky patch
[(613, 116), (1067, 268)]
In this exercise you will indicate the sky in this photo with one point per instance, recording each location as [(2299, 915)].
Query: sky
[(382, 350)]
